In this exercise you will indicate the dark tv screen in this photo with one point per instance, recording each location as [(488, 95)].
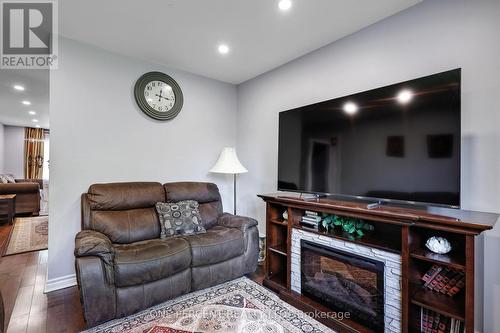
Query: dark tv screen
[(400, 142)]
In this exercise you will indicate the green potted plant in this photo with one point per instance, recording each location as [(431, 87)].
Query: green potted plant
[(352, 227)]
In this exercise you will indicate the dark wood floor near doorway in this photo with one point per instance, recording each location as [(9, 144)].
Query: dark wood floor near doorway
[(22, 281)]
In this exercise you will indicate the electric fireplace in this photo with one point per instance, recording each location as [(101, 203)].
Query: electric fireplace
[(344, 282)]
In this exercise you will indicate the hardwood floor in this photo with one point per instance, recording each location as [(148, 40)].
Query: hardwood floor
[(4, 236), (22, 281)]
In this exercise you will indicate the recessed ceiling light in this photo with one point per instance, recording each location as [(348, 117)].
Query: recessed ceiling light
[(37, 126), (223, 49), (285, 5), (32, 113), (350, 108), (405, 96), (34, 120), (26, 102), (19, 87)]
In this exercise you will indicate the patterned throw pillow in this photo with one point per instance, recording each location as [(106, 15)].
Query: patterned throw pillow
[(7, 178), (10, 178), (179, 218)]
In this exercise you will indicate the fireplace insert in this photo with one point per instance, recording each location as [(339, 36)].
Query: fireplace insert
[(344, 282)]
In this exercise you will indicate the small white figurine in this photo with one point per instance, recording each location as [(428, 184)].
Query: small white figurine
[(438, 245), (285, 215)]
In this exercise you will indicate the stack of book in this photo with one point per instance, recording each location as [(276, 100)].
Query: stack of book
[(444, 280), (433, 322), (311, 219)]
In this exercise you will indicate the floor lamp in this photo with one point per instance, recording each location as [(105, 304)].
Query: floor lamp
[(228, 162)]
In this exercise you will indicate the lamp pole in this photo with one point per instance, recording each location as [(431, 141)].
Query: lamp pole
[(234, 194)]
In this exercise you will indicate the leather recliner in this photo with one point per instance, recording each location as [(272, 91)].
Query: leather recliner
[(123, 266)]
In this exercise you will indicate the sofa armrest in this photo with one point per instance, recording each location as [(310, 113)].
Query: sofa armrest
[(94, 243), (97, 294), (90, 243), (235, 221)]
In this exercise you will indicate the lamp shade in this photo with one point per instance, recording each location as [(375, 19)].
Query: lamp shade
[(228, 162)]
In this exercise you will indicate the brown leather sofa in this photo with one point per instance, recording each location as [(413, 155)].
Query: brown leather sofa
[(27, 193), (123, 266)]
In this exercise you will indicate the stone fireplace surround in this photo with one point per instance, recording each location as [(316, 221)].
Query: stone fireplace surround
[(392, 271)]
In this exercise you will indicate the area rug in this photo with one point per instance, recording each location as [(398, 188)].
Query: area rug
[(28, 234), (237, 306)]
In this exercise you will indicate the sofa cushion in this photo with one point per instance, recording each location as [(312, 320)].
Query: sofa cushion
[(125, 212), (179, 218), (150, 260), (216, 245), (121, 196), (127, 226), (206, 194)]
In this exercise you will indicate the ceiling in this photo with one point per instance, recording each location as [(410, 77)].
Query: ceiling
[(36, 84), (184, 34)]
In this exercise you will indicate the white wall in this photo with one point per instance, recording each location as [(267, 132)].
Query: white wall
[(98, 134), (14, 150), (431, 37)]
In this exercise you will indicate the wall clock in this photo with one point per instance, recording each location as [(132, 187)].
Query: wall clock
[(158, 96)]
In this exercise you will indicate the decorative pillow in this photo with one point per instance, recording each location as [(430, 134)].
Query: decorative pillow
[(10, 178), (7, 178), (179, 218)]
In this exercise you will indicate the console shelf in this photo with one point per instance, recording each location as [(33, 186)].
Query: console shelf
[(277, 240), (402, 230), (446, 305), (279, 222), (453, 261), (279, 249)]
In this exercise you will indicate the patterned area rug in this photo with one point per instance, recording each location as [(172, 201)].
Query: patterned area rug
[(237, 306), (28, 234)]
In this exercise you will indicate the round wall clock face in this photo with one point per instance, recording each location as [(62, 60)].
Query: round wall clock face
[(158, 96)]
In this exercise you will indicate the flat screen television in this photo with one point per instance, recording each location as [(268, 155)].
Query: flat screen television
[(400, 142)]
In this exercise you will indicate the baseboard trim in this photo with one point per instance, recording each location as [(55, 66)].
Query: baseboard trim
[(60, 283)]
